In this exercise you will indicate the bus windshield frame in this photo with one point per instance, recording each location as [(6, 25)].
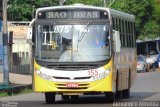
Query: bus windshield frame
[(73, 39)]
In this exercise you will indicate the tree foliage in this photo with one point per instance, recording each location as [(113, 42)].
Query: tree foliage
[(147, 12), (22, 10), (151, 27), (142, 9), (86, 2)]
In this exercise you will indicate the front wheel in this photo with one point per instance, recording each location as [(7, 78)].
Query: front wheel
[(50, 97), (65, 97), (73, 97), (110, 96), (126, 92)]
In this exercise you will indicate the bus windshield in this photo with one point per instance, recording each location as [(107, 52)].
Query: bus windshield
[(72, 43)]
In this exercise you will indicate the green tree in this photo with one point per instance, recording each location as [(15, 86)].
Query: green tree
[(150, 30), (86, 2), (142, 9), (147, 14), (21, 10)]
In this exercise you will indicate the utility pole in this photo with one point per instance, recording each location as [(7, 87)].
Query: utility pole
[(5, 46), (104, 3)]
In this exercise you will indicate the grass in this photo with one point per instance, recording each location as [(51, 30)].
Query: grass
[(26, 90), (23, 91), (3, 94)]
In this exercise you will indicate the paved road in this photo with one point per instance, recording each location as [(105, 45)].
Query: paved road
[(145, 88)]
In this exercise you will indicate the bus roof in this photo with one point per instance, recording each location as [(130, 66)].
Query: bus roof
[(112, 12), (122, 15), (148, 40)]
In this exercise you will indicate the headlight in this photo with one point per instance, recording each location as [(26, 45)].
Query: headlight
[(44, 76), (38, 72)]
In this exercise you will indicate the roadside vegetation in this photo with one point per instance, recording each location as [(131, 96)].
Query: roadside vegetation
[(7, 93), (3, 94)]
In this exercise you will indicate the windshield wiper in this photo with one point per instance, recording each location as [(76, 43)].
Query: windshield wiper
[(84, 31)]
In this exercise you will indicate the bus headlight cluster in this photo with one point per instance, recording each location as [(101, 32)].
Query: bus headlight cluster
[(44, 76), (108, 71), (102, 75)]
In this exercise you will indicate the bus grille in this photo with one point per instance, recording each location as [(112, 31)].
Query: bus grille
[(72, 67), (75, 78)]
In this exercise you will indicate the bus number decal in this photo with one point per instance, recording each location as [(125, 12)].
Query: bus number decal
[(62, 29), (93, 72)]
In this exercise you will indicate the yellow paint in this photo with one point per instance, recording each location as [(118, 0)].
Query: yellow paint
[(102, 85), (36, 66)]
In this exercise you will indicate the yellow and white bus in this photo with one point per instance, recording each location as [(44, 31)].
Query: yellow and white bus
[(81, 49)]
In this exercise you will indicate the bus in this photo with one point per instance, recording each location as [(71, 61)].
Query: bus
[(149, 47), (83, 50)]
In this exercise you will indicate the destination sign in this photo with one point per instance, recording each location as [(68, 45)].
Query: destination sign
[(73, 14)]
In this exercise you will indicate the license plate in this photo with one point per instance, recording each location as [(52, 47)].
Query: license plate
[(72, 94), (72, 85)]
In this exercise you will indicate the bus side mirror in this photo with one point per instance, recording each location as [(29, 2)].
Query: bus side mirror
[(29, 35), (117, 42), (30, 32)]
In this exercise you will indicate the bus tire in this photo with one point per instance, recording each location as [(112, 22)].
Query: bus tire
[(65, 97), (50, 97), (126, 92), (73, 97), (110, 97), (118, 93)]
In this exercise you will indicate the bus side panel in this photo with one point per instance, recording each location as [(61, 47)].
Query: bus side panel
[(125, 66)]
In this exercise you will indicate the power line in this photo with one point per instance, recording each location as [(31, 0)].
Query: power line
[(111, 3)]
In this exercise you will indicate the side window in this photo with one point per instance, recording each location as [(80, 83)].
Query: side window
[(124, 33), (126, 29), (158, 45), (116, 24), (130, 35), (113, 22), (133, 33), (121, 32)]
